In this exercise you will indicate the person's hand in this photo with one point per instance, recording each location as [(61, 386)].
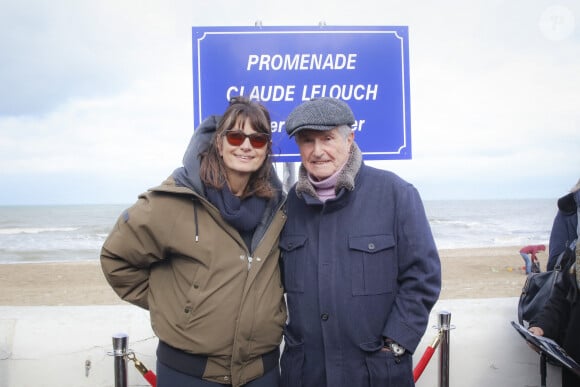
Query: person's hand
[(537, 331)]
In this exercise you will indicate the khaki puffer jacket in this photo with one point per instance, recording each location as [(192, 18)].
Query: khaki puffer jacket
[(222, 302)]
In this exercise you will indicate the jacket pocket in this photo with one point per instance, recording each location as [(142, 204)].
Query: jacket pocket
[(291, 363), (293, 261), (385, 369), (373, 264)]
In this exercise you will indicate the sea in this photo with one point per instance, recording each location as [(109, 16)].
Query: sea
[(63, 233)]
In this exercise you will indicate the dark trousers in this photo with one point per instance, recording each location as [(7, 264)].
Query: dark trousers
[(168, 377)]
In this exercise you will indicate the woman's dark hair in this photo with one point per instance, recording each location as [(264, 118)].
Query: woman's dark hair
[(212, 168)]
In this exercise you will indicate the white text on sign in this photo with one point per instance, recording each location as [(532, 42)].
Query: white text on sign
[(301, 62), (287, 93)]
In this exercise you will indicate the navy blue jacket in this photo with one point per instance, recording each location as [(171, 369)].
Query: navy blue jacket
[(355, 269), (564, 229)]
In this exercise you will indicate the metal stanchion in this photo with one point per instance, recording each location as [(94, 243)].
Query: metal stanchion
[(120, 341), (445, 327), (288, 175)]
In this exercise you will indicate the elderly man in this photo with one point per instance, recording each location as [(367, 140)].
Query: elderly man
[(360, 267)]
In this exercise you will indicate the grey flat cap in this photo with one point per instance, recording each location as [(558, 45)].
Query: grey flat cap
[(319, 114)]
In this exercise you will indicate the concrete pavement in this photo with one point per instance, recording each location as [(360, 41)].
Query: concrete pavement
[(70, 345)]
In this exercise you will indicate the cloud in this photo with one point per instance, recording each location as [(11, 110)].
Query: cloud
[(96, 97), (55, 52)]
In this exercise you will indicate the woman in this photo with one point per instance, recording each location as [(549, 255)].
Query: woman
[(562, 312), (200, 252)]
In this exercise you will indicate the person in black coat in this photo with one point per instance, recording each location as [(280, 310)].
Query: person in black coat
[(560, 314), (562, 311)]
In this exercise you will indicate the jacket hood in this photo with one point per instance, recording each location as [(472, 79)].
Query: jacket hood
[(569, 203), (188, 175)]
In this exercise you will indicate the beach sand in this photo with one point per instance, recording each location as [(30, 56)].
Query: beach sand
[(467, 273)]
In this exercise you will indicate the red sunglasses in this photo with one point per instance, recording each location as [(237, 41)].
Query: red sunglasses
[(237, 137)]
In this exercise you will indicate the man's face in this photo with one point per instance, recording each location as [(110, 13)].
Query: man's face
[(323, 152)]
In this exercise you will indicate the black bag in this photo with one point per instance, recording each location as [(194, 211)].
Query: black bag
[(538, 287)]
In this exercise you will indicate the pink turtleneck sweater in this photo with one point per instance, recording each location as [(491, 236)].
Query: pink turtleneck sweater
[(325, 189)]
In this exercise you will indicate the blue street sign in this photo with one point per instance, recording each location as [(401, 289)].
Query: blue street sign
[(368, 67)]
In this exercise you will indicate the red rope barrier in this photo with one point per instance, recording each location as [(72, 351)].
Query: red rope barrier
[(151, 378), (147, 374), (426, 358)]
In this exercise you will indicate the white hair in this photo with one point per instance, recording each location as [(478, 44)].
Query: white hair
[(344, 130)]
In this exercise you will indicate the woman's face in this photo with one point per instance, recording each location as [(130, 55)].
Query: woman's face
[(241, 154)]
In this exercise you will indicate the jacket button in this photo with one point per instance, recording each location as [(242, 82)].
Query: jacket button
[(371, 246), (187, 309), (324, 316)]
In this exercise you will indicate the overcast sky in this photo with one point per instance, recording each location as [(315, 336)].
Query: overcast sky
[(96, 96)]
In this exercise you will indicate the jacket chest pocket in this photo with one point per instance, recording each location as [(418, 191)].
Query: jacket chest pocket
[(293, 262), (373, 264)]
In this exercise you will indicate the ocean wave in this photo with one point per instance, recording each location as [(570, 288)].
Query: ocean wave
[(454, 223), (61, 233), (34, 230)]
